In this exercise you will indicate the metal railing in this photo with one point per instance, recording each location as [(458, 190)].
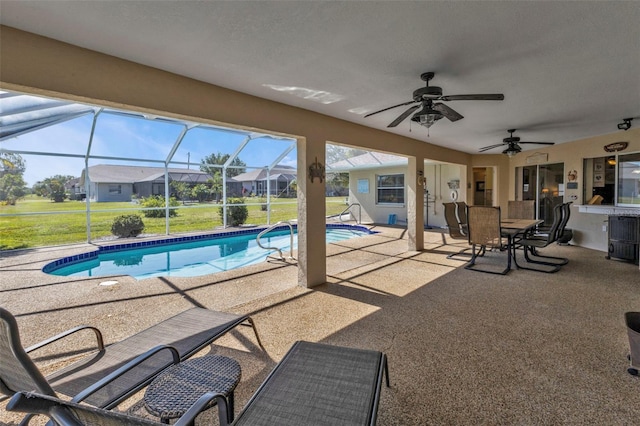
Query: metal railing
[(359, 218), (275, 248)]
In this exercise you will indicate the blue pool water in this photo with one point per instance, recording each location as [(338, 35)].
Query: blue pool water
[(187, 256)]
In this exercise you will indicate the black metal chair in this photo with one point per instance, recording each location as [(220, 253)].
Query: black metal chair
[(565, 234), (531, 243)]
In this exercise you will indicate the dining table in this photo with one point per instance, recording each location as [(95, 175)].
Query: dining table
[(511, 228)]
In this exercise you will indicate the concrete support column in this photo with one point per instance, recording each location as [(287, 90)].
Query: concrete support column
[(415, 203), (312, 244)]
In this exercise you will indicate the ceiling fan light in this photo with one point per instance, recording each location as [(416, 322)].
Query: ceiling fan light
[(512, 150), (426, 117)]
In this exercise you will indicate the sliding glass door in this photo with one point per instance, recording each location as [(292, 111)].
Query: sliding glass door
[(544, 184)]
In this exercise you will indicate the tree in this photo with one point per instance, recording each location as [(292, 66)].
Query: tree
[(339, 182), (220, 158), (182, 189), (11, 163), (12, 188), (53, 187), (12, 185), (200, 192), (215, 183)]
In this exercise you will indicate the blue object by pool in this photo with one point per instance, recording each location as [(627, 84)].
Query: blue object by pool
[(188, 256)]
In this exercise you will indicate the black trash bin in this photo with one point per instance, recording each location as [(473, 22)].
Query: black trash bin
[(633, 328)]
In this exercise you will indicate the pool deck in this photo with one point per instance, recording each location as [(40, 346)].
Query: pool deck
[(463, 347)]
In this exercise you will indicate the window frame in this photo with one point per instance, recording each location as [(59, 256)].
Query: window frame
[(617, 156), (619, 178), (379, 178), (115, 189)]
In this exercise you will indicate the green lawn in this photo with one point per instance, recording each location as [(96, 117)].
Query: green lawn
[(50, 224)]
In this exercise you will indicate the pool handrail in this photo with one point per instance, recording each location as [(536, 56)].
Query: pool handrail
[(284, 222), (348, 209)]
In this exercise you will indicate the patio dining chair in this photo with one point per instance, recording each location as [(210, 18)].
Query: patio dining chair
[(112, 373), (461, 211), (565, 234), (484, 232), (457, 229), (530, 245), (521, 209)]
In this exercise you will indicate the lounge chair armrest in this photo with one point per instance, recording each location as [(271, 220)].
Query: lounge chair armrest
[(202, 403), (124, 369), (69, 332), (26, 404)]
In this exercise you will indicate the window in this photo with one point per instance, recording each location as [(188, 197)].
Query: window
[(613, 180), (629, 180), (390, 189), (115, 189)]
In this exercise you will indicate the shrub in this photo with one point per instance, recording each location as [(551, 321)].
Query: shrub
[(236, 215), (127, 225), (157, 203)]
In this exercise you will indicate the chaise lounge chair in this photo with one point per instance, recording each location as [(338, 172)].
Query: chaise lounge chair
[(115, 372), (313, 384), (66, 413)]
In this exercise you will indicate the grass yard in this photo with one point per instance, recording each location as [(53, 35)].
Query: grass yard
[(38, 222)]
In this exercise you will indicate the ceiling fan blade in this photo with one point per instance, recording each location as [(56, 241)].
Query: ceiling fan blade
[(448, 112), (386, 109), (485, 97), (541, 143), (402, 116), (487, 148)]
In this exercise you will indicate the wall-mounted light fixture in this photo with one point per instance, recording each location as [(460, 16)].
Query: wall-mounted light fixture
[(316, 170), (422, 180), (625, 125)]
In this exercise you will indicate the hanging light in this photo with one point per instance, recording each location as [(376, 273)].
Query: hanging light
[(512, 150), (426, 116)]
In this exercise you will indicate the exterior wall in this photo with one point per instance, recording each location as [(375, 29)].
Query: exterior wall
[(438, 176), (372, 212), (102, 192), (587, 228), (143, 189)]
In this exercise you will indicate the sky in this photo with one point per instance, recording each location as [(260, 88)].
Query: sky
[(137, 138)]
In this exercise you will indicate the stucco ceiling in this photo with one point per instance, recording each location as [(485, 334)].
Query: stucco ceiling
[(568, 70)]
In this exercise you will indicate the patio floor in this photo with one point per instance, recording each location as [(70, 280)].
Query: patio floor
[(463, 347)]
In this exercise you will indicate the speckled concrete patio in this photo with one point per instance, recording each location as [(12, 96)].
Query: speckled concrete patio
[(463, 347)]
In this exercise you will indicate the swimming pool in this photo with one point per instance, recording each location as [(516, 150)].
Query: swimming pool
[(188, 256)]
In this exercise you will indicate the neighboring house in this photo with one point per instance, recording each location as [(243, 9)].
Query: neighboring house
[(75, 189), (281, 178), (377, 183), (118, 183)]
